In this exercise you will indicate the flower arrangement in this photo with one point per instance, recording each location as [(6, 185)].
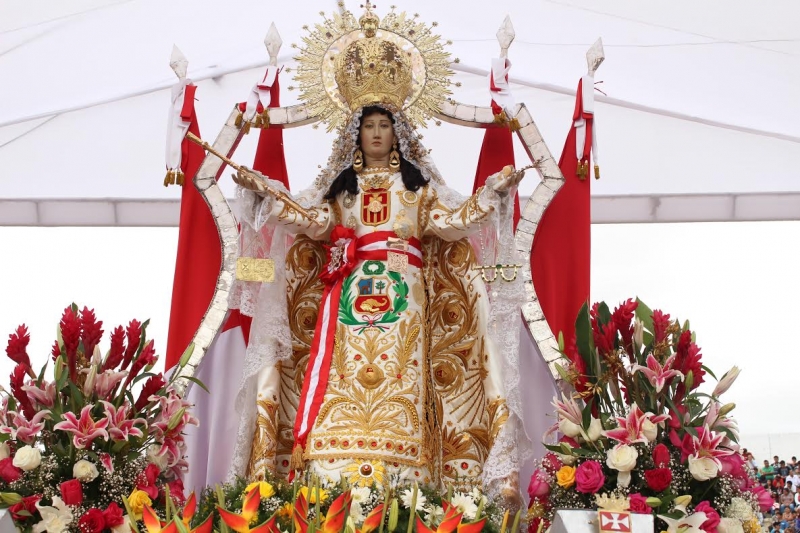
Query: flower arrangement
[(87, 446), (637, 427), (276, 505)]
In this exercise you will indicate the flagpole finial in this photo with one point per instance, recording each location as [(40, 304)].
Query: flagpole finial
[(595, 56), (273, 42), (178, 63), (505, 36)]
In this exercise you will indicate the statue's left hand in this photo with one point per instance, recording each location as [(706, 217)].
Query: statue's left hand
[(507, 178)]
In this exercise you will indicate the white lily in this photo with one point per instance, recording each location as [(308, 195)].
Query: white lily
[(686, 524)]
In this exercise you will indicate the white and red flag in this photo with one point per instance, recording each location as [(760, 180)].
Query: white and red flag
[(212, 443)]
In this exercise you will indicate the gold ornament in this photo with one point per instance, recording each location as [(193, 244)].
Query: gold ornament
[(345, 64), (358, 160), (394, 158)]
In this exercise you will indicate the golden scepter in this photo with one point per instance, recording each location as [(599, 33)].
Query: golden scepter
[(280, 195)]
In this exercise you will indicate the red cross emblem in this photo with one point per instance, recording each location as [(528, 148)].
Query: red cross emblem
[(614, 521)]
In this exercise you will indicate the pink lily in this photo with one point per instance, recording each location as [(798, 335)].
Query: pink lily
[(166, 424), (706, 445), (84, 430), (630, 429), (43, 395), (106, 382), (656, 374), (714, 421), (568, 409), (108, 464), (23, 429), (120, 427)]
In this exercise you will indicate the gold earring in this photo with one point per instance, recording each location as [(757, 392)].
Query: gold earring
[(394, 158), (358, 160)]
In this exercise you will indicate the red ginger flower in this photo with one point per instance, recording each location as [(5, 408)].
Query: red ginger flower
[(71, 336), (55, 351), (134, 334), (152, 386), (147, 357), (660, 324), (688, 359), (90, 331), (17, 349), (623, 321), (117, 350), (18, 390)]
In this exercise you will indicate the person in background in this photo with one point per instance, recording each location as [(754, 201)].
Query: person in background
[(794, 477), (768, 471), (783, 470), (786, 501)]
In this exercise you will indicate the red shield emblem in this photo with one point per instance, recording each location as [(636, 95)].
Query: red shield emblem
[(372, 296), (614, 521), (375, 207)]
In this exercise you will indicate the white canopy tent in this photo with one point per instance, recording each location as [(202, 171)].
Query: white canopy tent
[(700, 122)]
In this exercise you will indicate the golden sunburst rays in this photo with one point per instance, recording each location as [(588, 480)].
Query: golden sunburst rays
[(365, 473), (315, 74)]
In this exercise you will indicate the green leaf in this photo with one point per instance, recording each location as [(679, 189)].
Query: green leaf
[(586, 414), (196, 382), (645, 314), (689, 380), (583, 333), (561, 341), (603, 313), (704, 367), (562, 372), (691, 431)]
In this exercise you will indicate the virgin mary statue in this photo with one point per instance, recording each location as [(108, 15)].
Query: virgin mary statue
[(377, 354)]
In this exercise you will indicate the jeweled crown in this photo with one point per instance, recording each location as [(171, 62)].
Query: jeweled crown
[(373, 70)]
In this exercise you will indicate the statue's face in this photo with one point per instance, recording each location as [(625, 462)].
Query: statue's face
[(376, 136)]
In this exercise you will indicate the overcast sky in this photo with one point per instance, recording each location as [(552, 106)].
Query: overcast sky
[(736, 282)]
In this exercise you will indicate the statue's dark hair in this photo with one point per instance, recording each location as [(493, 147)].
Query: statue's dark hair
[(348, 181)]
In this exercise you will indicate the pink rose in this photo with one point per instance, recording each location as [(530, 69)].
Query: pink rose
[(538, 487), (712, 516), (589, 477), (733, 465), (765, 501), (639, 504)]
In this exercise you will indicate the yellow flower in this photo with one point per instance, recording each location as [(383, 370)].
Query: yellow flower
[(265, 489), (286, 510), (312, 498), (566, 476), (137, 500)]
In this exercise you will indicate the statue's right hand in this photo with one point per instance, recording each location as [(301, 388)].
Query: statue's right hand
[(247, 179)]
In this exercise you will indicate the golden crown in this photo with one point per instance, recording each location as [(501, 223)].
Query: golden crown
[(372, 71), (346, 64)]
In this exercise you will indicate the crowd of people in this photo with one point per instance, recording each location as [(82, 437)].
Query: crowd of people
[(782, 478)]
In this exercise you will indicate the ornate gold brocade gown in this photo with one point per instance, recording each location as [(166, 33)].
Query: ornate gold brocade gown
[(412, 391)]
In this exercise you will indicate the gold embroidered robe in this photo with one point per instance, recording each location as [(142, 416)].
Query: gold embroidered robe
[(414, 389)]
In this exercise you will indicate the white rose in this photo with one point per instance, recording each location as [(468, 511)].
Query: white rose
[(5, 451), (649, 430), (570, 429), (85, 471), (703, 468), (729, 525), (27, 458), (595, 429), (622, 458), (124, 527)]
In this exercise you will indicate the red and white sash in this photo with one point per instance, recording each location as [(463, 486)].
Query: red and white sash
[(344, 252)]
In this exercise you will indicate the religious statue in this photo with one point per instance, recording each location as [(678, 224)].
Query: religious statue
[(378, 352)]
